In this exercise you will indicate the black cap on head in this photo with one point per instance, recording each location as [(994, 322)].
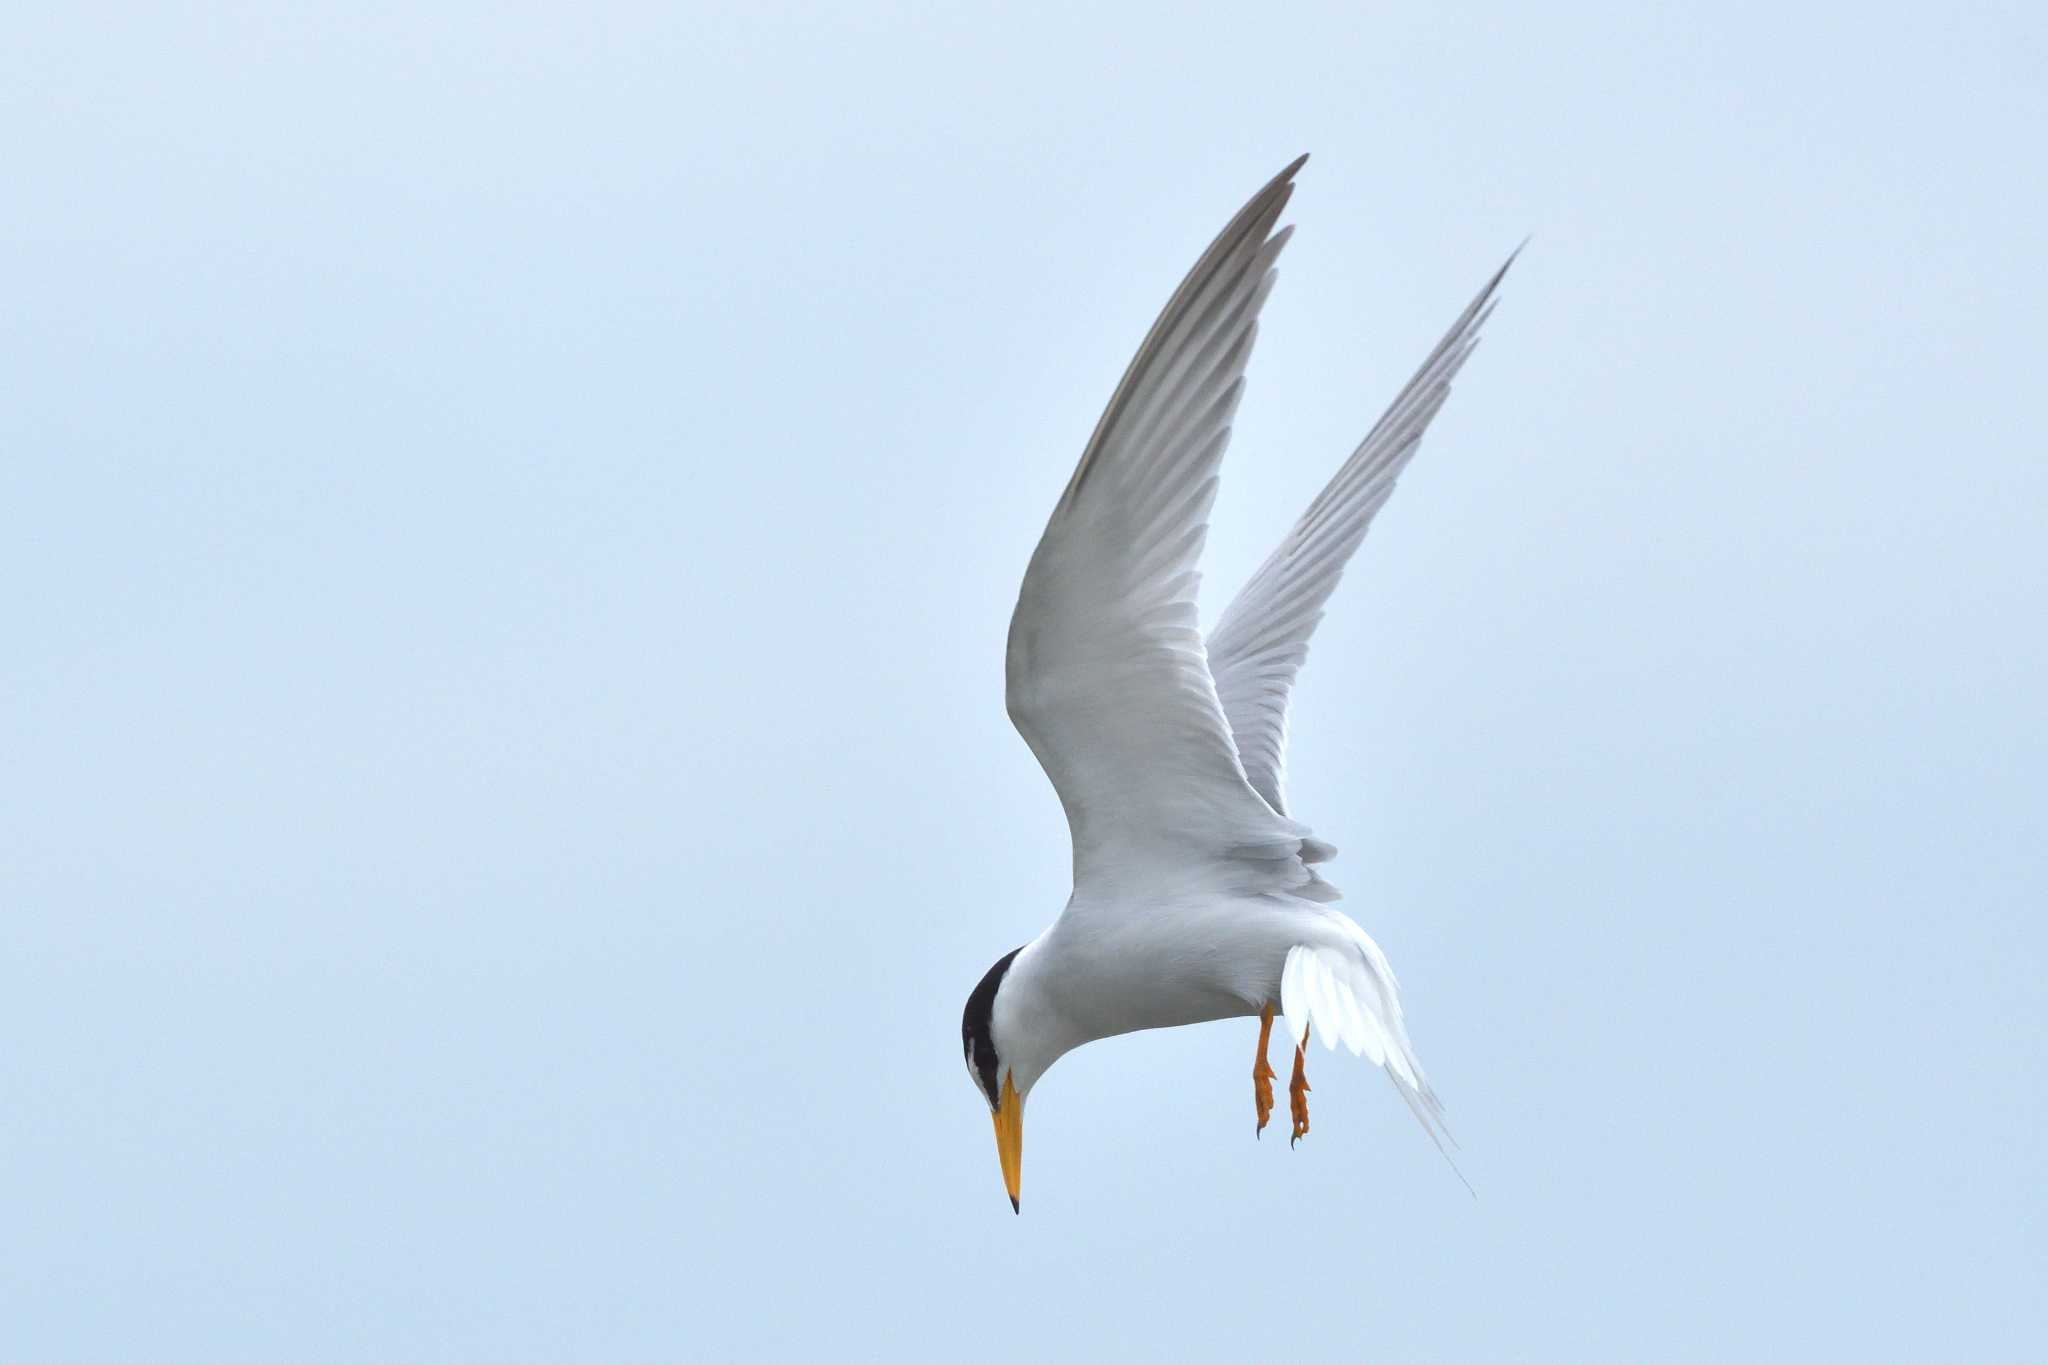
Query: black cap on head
[(975, 1037)]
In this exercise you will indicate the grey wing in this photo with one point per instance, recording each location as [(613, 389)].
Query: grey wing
[(1261, 640), (1107, 677)]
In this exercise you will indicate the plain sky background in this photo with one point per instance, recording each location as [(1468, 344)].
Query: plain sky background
[(509, 514)]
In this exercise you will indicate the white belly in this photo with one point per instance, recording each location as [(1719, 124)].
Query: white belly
[(1118, 969)]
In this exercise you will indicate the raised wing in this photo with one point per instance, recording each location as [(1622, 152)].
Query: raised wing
[(1261, 640), (1107, 678)]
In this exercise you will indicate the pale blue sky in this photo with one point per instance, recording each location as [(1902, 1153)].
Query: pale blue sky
[(510, 515)]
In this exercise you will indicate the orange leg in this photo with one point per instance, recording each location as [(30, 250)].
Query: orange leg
[(1262, 1073), (1297, 1094)]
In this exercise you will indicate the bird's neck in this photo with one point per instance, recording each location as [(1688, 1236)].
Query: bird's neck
[(1034, 1027)]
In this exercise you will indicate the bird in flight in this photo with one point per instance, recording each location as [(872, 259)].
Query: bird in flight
[(1197, 895)]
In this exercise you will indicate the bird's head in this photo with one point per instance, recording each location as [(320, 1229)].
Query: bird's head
[(992, 1039)]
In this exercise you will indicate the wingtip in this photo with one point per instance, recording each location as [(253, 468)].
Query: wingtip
[(1284, 181), (1015, 1206), (1506, 265)]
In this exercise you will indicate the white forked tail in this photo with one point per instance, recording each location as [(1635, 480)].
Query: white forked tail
[(1349, 995)]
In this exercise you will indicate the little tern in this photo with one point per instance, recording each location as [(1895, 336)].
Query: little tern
[(1197, 895)]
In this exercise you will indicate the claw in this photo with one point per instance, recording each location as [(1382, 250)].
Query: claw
[(1297, 1097)]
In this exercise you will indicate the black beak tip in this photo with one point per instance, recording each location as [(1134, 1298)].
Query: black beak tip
[(1015, 1207)]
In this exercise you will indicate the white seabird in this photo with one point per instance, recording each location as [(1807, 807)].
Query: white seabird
[(1196, 894)]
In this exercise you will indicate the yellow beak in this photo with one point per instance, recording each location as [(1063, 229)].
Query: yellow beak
[(1009, 1117)]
